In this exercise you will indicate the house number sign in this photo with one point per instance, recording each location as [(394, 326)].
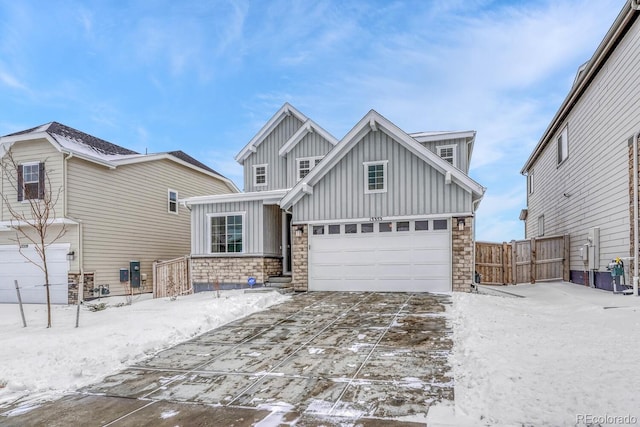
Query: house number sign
[(375, 218)]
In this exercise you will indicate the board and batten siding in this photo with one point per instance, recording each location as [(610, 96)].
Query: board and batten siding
[(124, 214), (312, 145), (461, 151), (267, 153), (262, 227), (413, 186), (32, 151), (590, 189)]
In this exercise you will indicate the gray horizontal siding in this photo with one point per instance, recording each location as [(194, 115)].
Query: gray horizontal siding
[(267, 153), (312, 145), (414, 187), (595, 175), (200, 225)]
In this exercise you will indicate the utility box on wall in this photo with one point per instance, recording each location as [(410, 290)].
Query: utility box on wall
[(134, 271), (124, 275), (594, 248)]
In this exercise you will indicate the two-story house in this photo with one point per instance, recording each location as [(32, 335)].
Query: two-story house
[(379, 209), (112, 204), (580, 175)]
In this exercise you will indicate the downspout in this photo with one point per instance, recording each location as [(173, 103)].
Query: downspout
[(474, 205), (636, 214), (80, 229)]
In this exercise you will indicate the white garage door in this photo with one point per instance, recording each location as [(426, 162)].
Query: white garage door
[(397, 256), (14, 266)]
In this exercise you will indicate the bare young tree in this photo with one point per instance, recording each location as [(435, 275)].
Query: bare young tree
[(32, 212)]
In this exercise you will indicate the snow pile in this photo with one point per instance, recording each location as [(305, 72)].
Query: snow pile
[(557, 357), (43, 363)]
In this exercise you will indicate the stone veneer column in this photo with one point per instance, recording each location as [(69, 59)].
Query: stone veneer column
[(300, 258), (462, 252)]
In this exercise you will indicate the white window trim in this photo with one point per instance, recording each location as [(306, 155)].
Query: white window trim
[(564, 137), (312, 164), (454, 160), (244, 232), (266, 175), (24, 181), (530, 183), (169, 191), (384, 176)]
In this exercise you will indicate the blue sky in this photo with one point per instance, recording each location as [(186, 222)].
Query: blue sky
[(204, 76)]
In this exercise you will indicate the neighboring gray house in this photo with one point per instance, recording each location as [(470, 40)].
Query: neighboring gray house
[(378, 210), (580, 174)]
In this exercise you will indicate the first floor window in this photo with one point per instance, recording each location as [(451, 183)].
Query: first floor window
[(173, 201), (226, 234), (375, 177)]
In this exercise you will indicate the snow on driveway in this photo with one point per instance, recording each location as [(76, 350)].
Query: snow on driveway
[(39, 363), (564, 355)]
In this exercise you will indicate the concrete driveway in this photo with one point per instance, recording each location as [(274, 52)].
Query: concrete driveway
[(319, 359)]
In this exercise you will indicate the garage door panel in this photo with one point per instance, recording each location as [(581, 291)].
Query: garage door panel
[(14, 266), (393, 261)]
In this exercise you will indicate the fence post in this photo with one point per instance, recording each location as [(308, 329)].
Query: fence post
[(532, 257), (505, 263), (514, 263), (24, 322), (153, 277)]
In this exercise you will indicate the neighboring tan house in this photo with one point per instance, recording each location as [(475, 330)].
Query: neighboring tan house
[(580, 174), (115, 205), (378, 210)]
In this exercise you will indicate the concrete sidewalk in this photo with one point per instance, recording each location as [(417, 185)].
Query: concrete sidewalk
[(318, 359)]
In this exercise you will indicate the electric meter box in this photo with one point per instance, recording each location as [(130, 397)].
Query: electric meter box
[(124, 275), (134, 271)]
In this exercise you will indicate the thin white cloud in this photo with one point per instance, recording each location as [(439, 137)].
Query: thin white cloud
[(11, 81)]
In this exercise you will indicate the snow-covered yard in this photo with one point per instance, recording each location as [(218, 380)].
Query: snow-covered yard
[(37, 363), (564, 355)]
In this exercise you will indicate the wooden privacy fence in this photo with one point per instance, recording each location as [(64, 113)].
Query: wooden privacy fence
[(172, 278), (523, 261)]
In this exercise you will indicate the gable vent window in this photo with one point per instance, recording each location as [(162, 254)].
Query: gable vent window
[(448, 153), (375, 177), (172, 201), (260, 175), (563, 145), (30, 181)]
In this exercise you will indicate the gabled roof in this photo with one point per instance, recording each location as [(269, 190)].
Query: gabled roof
[(285, 111), (586, 73), (373, 121), (88, 147), (308, 127)]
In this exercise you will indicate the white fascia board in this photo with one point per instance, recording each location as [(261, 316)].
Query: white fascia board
[(268, 197), (45, 135), (8, 225), (442, 136), (284, 111), (308, 127), (141, 158)]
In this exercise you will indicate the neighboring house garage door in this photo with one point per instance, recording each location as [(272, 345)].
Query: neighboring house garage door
[(14, 266), (397, 256)]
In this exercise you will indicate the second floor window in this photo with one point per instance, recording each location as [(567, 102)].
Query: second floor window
[(305, 165), (173, 201), (448, 153), (563, 145), (260, 175), (30, 181)]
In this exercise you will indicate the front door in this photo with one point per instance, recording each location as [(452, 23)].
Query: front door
[(286, 243)]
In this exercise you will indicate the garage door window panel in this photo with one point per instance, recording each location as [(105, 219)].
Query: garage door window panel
[(422, 225), (366, 227), (385, 227), (350, 228), (227, 233), (440, 224), (402, 226), (334, 229), (318, 229)]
